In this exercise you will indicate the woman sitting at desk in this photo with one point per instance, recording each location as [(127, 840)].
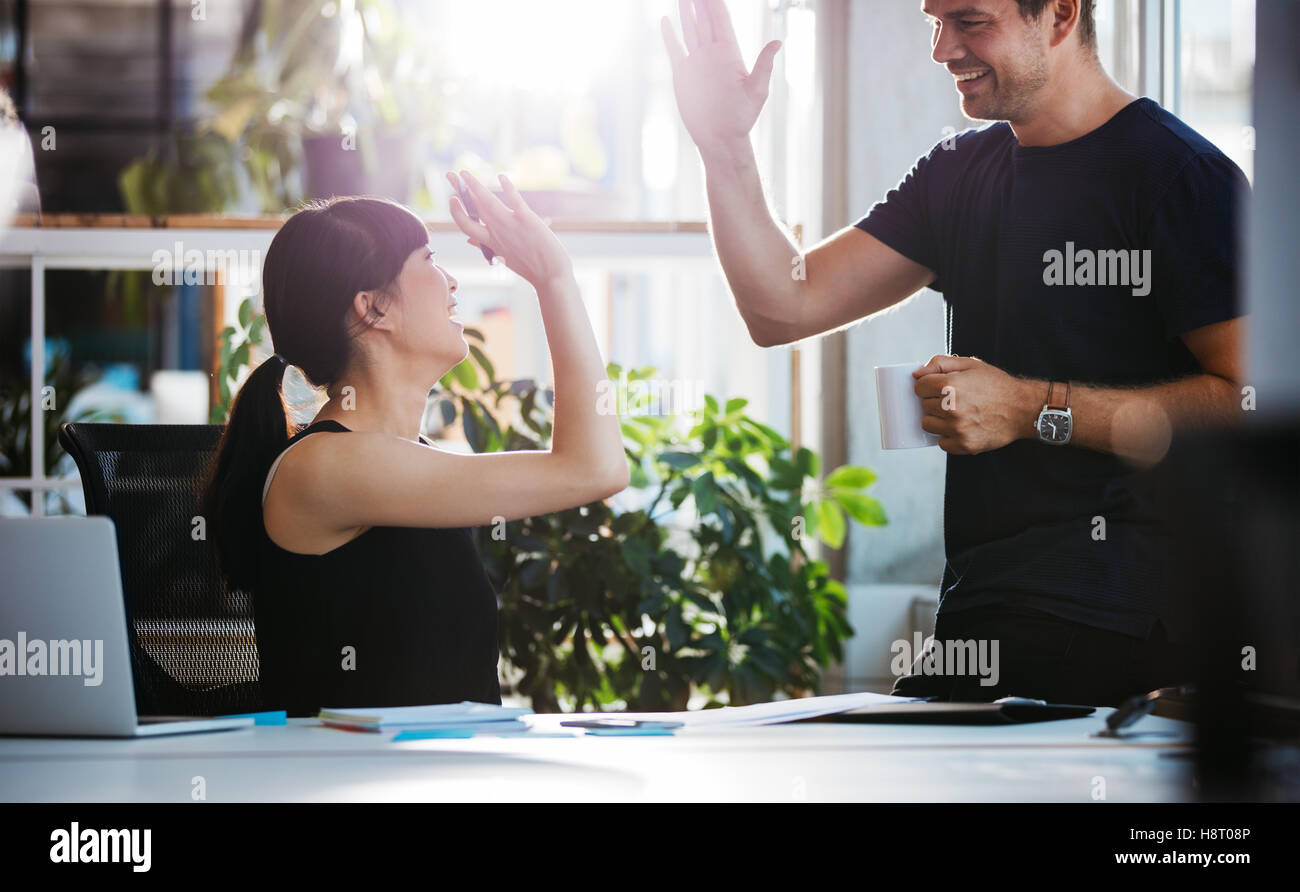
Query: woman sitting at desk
[(353, 533)]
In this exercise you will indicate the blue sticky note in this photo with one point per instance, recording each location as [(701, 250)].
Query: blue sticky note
[(629, 732), (274, 717), (440, 733)]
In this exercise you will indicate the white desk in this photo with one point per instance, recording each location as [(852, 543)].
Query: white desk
[(303, 761)]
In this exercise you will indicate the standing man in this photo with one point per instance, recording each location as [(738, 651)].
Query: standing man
[(1085, 247)]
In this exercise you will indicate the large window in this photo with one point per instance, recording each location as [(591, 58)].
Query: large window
[(590, 130), (586, 125), (1194, 57), (1215, 61)]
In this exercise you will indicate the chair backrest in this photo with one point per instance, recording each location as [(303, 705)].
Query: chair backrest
[(193, 643)]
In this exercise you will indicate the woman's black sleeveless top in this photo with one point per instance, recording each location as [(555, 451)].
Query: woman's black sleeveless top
[(399, 616)]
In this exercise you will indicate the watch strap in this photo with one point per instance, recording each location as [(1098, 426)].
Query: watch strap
[(1051, 385)]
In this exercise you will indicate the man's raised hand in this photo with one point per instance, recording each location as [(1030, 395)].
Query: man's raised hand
[(718, 99)]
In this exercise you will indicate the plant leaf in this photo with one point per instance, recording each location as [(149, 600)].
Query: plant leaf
[(465, 375), (679, 460), (807, 461), (850, 477), (830, 522), (482, 359), (705, 490), (865, 509)]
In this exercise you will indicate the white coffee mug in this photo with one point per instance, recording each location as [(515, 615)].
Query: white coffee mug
[(900, 408)]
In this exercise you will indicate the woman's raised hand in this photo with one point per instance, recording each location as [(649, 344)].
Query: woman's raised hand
[(512, 231)]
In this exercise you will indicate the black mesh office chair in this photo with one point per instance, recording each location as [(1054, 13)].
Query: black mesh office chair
[(193, 649)]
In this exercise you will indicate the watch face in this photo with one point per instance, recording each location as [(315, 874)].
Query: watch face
[(1054, 426)]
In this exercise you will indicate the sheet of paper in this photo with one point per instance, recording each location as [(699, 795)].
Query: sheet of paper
[(442, 714), (773, 713), (496, 727)]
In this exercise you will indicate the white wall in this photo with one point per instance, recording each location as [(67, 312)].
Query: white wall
[(1273, 264), (899, 103)]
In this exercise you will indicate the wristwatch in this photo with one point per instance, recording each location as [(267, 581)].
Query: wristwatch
[(1055, 423)]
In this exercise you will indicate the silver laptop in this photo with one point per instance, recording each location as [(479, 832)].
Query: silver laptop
[(65, 668)]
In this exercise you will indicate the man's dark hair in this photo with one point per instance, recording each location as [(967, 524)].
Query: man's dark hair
[(1032, 10)]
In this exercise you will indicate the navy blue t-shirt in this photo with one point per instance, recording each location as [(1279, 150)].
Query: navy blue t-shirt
[(984, 214)]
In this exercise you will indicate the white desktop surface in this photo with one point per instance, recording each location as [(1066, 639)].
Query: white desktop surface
[(303, 761)]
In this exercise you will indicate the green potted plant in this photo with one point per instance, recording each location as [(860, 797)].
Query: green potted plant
[(643, 607), (186, 174), (327, 98)]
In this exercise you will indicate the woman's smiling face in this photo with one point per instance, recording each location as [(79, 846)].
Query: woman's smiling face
[(425, 307)]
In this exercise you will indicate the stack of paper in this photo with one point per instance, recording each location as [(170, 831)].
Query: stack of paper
[(774, 713), (461, 719)]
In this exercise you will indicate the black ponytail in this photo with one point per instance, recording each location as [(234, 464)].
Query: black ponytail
[(257, 431)]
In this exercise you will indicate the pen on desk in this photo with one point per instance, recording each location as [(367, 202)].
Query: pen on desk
[(1138, 707), (615, 724), (470, 208)]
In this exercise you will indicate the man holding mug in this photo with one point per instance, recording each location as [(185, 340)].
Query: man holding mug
[(1085, 247)]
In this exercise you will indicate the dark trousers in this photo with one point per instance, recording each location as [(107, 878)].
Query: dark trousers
[(1048, 658)]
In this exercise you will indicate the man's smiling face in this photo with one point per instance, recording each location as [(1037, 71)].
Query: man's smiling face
[(997, 59)]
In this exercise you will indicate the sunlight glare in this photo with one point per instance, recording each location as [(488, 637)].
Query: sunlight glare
[(560, 46)]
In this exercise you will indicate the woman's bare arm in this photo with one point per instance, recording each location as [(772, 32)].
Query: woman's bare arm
[(373, 479)]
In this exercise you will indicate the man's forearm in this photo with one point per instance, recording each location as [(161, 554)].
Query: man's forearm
[(757, 255), (1137, 423)]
